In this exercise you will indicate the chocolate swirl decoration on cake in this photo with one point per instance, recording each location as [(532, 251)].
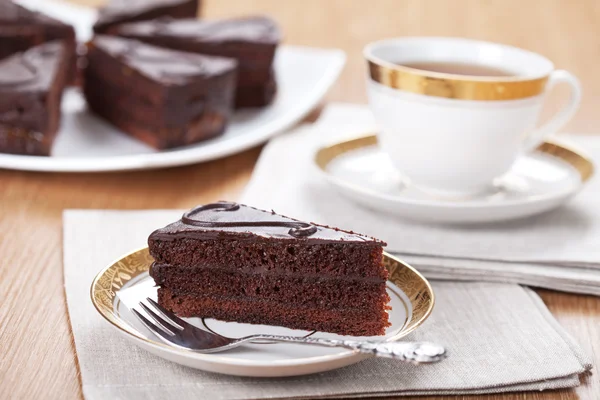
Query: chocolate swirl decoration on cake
[(298, 229)]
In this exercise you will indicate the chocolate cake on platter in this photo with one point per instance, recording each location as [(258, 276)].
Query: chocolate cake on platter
[(121, 11), (252, 41), (21, 29), (237, 263), (31, 86), (163, 97)]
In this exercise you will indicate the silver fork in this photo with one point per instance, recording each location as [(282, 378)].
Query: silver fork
[(176, 332)]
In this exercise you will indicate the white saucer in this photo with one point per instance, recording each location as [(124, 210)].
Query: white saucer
[(537, 183), (124, 283)]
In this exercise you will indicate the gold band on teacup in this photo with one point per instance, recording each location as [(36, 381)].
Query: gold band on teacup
[(446, 85)]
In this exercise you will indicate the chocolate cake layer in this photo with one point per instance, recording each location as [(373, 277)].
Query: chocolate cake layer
[(351, 321), (139, 109), (315, 291), (272, 254), (31, 85), (251, 41), (206, 125), (30, 28), (256, 95), (165, 98), (121, 11)]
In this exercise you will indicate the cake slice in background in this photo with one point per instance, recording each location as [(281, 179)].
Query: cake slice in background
[(31, 86), (21, 28), (252, 41), (121, 11), (237, 263), (163, 97), (15, 38)]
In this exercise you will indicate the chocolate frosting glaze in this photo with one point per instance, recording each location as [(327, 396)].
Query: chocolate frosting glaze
[(11, 13), (17, 70), (127, 8), (168, 66), (32, 70), (222, 219), (297, 228), (249, 29)]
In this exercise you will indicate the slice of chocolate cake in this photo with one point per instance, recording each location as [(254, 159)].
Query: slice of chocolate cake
[(237, 263), (165, 98), (31, 86), (252, 41), (121, 11), (21, 28)]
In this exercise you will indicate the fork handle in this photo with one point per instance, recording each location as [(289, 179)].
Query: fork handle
[(415, 352)]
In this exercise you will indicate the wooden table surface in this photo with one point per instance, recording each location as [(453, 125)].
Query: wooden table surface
[(38, 359)]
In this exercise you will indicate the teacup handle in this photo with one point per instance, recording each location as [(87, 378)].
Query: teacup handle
[(536, 137)]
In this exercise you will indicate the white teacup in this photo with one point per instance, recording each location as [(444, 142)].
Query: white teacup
[(453, 133)]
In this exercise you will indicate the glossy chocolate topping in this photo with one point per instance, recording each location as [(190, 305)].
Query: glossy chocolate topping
[(33, 69), (297, 228), (225, 218), (168, 66), (17, 70), (125, 8), (250, 29), (11, 13)]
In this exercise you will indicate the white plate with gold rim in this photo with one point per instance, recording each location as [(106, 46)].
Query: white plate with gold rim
[(126, 282), (538, 182)]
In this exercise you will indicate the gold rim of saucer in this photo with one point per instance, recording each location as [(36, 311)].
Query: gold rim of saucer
[(583, 165), (110, 280), (454, 86)]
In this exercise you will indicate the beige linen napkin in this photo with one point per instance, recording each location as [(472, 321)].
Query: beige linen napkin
[(558, 250), (500, 337)]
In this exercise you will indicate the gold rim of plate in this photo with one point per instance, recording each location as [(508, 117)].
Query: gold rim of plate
[(111, 279), (571, 156)]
